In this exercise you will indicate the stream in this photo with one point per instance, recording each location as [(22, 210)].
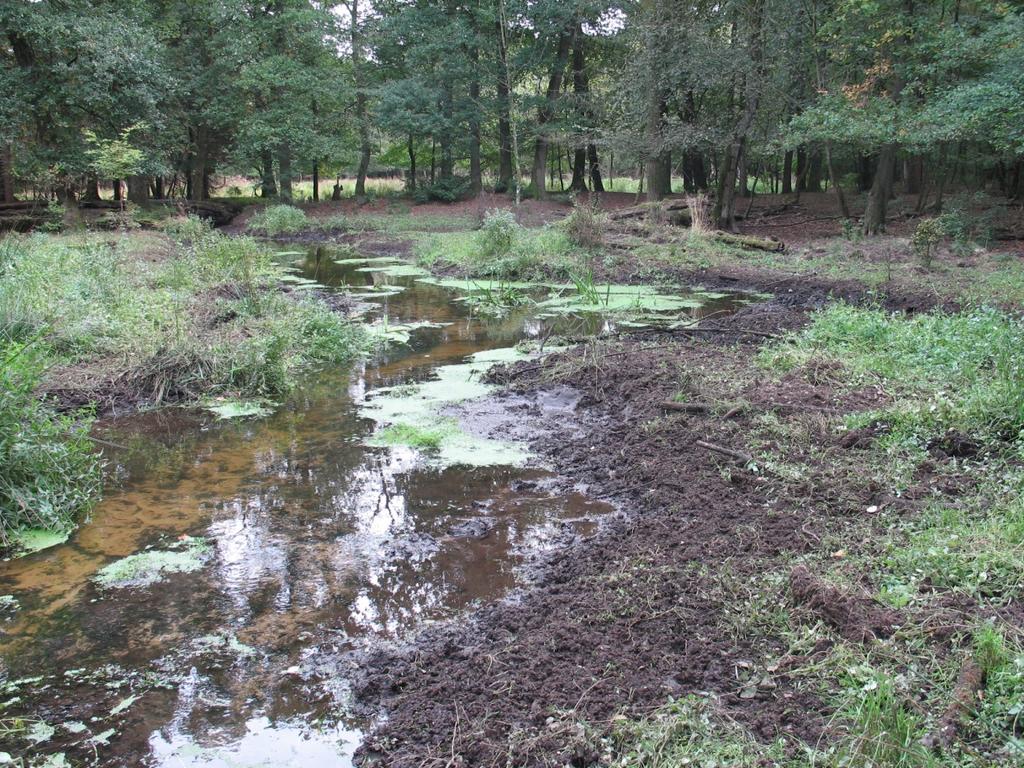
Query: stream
[(312, 537)]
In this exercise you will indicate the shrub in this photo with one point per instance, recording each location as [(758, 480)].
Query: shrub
[(497, 234), (187, 229), (585, 225), (49, 474), (927, 235), (279, 220)]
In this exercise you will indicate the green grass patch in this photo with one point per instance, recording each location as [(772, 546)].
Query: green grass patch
[(424, 438), (516, 253), (962, 372), (277, 220)]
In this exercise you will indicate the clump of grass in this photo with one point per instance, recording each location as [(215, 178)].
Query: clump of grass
[(49, 472), (533, 254), (689, 732), (424, 438), (279, 220), (187, 229), (881, 729), (700, 214), (585, 225)]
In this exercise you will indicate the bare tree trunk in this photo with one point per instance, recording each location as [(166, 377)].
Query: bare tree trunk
[(844, 208), (7, 173), (316, 181), (284, 164), (361, 107), (268, 187), (596, 182), (138, 189), (504, 114), (546, 112), (881, 191), (412, 163), (787, 172)]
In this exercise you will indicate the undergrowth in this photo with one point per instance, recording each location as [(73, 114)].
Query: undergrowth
[(501, 249), (145, 319)]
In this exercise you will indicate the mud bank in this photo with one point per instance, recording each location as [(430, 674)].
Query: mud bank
[(648, 609)]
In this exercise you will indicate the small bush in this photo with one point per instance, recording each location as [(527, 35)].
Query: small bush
[(928, 234), (497, 234), (585, 225), (49, 473), (279, 220), (187, 229)]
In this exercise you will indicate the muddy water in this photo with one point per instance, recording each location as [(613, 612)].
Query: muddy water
[(320, 545)]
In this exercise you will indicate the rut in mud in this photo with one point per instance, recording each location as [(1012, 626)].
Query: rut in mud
[(239, 574)]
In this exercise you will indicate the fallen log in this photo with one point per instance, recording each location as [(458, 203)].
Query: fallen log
[(854, 617), (969, 685), (749, 241)]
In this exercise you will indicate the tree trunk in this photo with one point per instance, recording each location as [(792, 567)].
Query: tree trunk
[(412, 163), (659, 162), (596, 182), (268, 187), (914, 175), (881, 191), (361, 109), (546, 112), (7, 173), (138, 189), (504, 120), (92, 189), (581, 89), (787, 172), (284, 164), (118, 196), (844, 209), (316, 181)]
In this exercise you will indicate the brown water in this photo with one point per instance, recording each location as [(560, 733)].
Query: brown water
[(320, 545)]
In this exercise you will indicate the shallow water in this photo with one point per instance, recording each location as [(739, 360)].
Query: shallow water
[(320, 544)]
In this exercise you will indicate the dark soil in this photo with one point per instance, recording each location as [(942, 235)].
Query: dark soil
[(638, 612)]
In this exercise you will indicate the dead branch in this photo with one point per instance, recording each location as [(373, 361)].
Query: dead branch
[(744, 458), (969, 685)]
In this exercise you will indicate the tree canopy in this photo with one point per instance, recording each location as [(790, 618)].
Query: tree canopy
[(462, 95)]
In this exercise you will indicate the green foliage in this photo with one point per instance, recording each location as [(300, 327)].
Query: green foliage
[(114, 158), (927, 235), (443, 191), (497, 234), (49, 472), (187, 229), (279, 220)]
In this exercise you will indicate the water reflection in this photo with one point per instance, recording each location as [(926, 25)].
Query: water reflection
[(318, 542)]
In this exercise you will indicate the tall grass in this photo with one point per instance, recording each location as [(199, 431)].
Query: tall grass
[(159, 320), (49, 473)]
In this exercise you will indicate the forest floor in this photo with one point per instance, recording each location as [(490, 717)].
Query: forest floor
[(817, 556)]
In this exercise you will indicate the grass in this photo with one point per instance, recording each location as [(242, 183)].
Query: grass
[(946, 372), (140, 317), (414, 436)]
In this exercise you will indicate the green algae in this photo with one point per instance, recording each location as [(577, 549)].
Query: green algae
[(400, 269), (29, 540), (237, 409), (146, 568), (413, 413), (399, 333), (369, 260)]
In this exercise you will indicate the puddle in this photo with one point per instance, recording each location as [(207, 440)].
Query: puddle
[(196, 619)]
